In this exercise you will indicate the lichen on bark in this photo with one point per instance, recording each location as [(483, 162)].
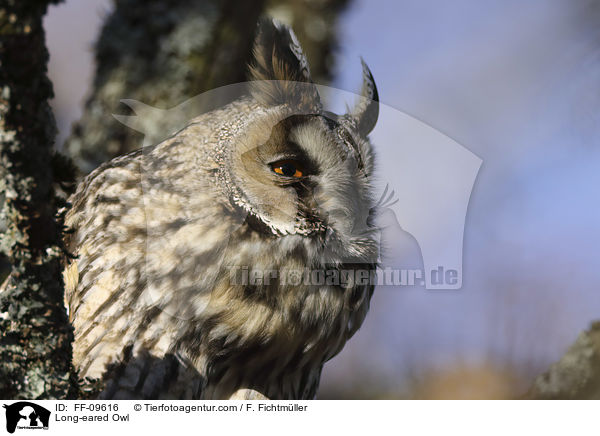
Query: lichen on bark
[(576, 375), (35, 335)]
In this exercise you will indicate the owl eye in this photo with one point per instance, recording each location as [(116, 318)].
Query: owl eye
[(287, 168)]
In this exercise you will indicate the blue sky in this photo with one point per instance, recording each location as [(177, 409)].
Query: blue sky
[(517, 84)]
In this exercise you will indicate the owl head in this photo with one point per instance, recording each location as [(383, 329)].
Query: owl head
[(298, 171)]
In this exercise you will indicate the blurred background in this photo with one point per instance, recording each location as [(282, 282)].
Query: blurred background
[(516, 83)]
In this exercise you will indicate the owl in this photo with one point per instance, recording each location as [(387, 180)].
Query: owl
[(232, 256)]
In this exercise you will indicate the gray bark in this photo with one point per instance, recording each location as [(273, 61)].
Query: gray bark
[(576, 375), (35, 335), (160, 53)]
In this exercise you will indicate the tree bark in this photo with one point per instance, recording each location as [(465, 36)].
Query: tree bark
[(162, 53), (576, 375), (35, 335)]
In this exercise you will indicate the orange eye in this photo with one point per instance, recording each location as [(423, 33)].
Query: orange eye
[(288, 168)]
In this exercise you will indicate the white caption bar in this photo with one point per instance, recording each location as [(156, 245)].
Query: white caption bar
[(44, 418)]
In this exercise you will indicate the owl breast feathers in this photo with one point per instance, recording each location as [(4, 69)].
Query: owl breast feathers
[(225, 257)]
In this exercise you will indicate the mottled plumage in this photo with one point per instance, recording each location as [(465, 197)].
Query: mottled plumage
[(158, 232)]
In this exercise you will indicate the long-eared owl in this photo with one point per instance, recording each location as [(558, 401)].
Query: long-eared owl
[(228, 256)]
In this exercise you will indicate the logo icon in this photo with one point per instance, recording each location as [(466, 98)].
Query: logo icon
[(26, 415)]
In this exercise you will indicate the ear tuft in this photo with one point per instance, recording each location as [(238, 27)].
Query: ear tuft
[(280, 73), (366, 110)]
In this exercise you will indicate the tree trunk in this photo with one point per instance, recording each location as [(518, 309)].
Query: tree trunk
[(35, 335), (160, 53)]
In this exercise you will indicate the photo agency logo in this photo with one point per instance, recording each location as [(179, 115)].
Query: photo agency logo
[(25, 415), (420, 179)]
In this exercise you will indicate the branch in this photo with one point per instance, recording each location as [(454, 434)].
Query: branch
[(576, 375), (247, 394)]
